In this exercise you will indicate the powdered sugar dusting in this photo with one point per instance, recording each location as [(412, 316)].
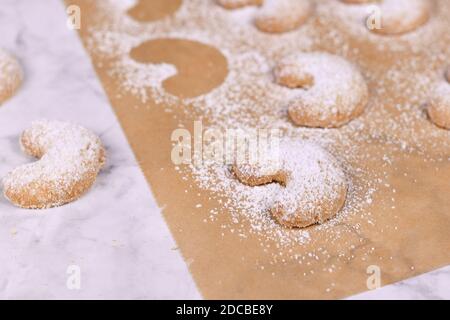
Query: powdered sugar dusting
[(338, 86), (68, 155), (399, 82), (314, 176), (313, 182)]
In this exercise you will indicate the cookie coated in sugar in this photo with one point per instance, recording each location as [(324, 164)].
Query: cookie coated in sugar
[(275, 16), (333, 90), (313, 185), (11, 75), (439, 105), (403, 16), (70, 158)]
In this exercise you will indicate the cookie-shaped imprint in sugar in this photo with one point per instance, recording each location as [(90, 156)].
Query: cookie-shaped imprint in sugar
[(11, 75), (200, 68), (153, 10), (236, 4), (313, 184), (439, 105), (334, 91), (70, 158), (278, 16), (402, 16)]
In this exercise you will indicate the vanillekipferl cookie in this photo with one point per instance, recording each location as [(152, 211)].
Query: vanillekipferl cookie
[(439, 105), (275, 16), (70, 158), (11, 75), (334, 91), (403, 16), (313, 183)]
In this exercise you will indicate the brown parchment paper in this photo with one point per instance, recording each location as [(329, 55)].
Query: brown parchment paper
[(411, 234)]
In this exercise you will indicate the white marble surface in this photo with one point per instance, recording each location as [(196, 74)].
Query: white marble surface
[(432, 285), (116, 233)]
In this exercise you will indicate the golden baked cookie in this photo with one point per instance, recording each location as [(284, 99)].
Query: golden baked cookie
[(313, 184), (11, 75), (402, 16), (283, 15), (334, 92), (439, 105), (70, 158), (235, 4)]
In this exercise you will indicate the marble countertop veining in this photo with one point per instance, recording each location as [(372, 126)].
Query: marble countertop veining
[(121, 253)]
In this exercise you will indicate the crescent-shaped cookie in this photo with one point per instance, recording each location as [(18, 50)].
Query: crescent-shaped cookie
[(313, 183), (11, 75), (70, 158), (334, 91)]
